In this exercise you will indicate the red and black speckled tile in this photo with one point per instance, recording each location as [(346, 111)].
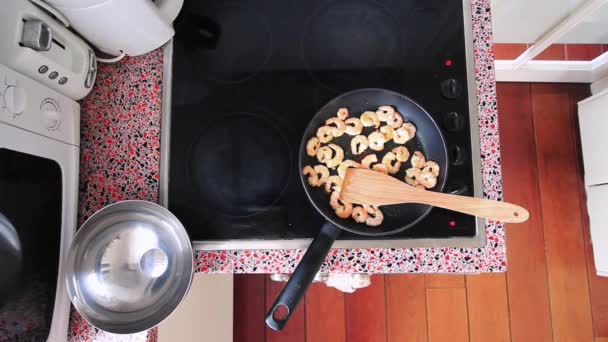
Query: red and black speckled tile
[(120, 160), (119, 146), (120, 134)]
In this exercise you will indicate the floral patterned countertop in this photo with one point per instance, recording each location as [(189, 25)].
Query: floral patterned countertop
[(120, 159)]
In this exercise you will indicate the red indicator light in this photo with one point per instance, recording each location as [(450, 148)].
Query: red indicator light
[(448, 63), (452, 224)]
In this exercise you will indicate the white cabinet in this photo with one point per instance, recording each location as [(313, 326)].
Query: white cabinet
[(205, 315), (597, 205), (525, 21), (593, 119)]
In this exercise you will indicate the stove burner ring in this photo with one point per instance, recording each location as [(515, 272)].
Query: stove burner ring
[(241, 165), (349, 45)]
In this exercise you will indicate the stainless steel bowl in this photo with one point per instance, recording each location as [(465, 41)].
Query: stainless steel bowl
[(129, 267)]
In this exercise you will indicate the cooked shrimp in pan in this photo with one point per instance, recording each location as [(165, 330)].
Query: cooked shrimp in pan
[(312, 146), (391, 162), (427, 179), (325, 134), (395, 121), (354, 126), (376, 141), (331, 172), (374, 216), (385, 113), (359, 214), (324, 154), (402, 153), (333, 183), (358, 144), (342, 113), (369, 160), (342, 208), (432, 167), (338, 156), (418, 160), (388, 132), (370, 119), (338, 127)]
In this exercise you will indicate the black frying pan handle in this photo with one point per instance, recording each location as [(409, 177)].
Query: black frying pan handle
[(302, 277)]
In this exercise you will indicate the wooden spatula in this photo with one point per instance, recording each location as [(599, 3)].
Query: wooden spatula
[(363, 186)]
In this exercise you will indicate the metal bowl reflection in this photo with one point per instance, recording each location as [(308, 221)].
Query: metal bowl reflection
[(129, 267)]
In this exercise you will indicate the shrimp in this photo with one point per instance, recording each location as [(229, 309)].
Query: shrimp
[(338, 128), (374, 216), (412, 172), (418, 160), (388, 132), (427, 179), (342, 208), (359, 214), (323, 174), (432, 167), (334, 199), (402, 135), (324, 154), (385, 113), (411, 181), (345, 165), (312, 146), (344, 211), (410, 128), (317, 176), (354, 126), (333, 183), (376, 141), (395, 121), (380, 168), (391, 162), (342, 113), (325, 134), (370, 119), (358, 144), (338, 156), (313, 178), (411, 176), (368, 160), (402, 153)]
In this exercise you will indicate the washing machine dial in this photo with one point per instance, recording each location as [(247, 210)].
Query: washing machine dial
[(50, 114), (15, 99)]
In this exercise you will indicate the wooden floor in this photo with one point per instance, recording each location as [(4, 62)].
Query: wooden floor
[(550, 292)]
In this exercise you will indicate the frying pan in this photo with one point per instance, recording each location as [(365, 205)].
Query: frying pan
[(397, 218)]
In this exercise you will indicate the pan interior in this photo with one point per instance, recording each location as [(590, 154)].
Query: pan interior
[(428, 139)]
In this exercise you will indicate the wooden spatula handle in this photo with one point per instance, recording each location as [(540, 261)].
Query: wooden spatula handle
[(500, 211)]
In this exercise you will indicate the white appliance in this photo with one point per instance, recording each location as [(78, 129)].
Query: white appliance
[(39, 158), (593, 120), (131, 27), (36, 44)]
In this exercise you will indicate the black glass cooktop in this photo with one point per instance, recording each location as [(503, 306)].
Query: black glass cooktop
[(249, 75)]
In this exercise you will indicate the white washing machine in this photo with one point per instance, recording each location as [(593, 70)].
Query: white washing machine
[(39, 157)]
